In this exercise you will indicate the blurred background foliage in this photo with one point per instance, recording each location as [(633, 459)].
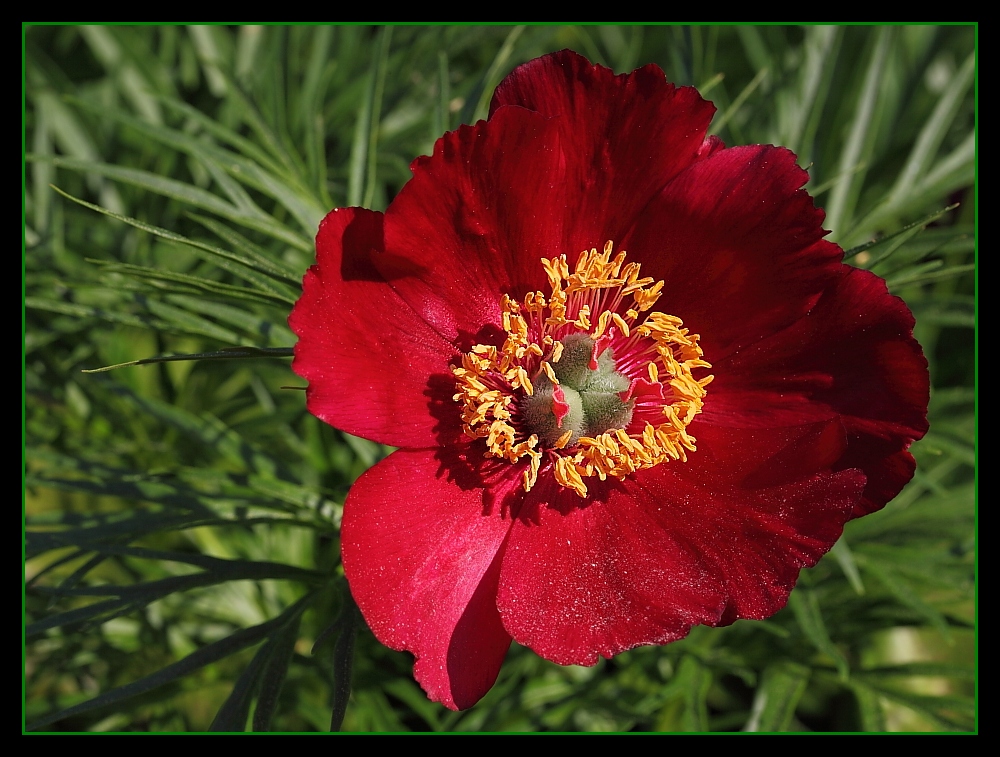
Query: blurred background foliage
[(181, 519)]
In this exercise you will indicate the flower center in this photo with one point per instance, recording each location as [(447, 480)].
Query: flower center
[(581, 380)]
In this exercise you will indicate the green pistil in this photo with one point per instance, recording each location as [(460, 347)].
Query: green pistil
[(589, 404)]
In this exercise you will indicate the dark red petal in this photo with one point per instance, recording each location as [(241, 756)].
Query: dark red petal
[(422, 553), (624, 137), (761, 457), (368, 358), (739, 245), (474, 221), (853, 357), (668, 548), (710, 146), (581, 580)]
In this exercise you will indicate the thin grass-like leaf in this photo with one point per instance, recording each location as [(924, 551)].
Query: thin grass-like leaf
[(217, 566), (177, 190), (699, 681), (232, 716), (869, 708), (953, 172), (934, 131), (237, 241), (230, 353), (256, 326), (926, 273), (904, 592), (720, 122), (204, 656), (822, 49), (493, 74), (843, 198), (203, 428), (806, 609), (343, 661), (361, 175), (182, 321), (777, 697), (282, 646), (86, 312), (896, 239), (252, 271), (938, 709), (128, 599), (949, 670), (182, 283), (845, 558)]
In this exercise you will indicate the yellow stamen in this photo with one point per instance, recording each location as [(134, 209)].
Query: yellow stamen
[(490, 378)]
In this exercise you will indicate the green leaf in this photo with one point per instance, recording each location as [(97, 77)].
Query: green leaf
[(933, 133), (860, 140), (494, 73), (229, 353), (361, 178), (182, 283), (805, 607), (904, 592), (277, 267), (777, 697), (889, 243), (265, 674), (247, 269), (686, 697), (343, 661), (869, 708), (845, 558), (282, 646), (927, 272), (204, 656), (722, 119)]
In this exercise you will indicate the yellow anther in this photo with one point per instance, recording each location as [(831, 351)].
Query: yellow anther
[(491, 381), (557, 351)]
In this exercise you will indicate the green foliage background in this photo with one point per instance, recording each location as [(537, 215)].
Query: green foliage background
[(181, 518)]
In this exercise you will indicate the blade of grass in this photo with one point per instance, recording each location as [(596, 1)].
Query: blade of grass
[(273, 677), (493, 74), (845, 558), (933, 133), (229, 353), (253, 271), (182, 283), (805, 607), (204, 656), (232, 716), (343, 661), (361, 175), (776, 698), (840, 208), (719, 123), (926, 273)]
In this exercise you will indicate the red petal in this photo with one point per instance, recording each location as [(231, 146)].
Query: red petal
[(739, 245), (372, 365), (853, 357), (422, 554), (644, 560), (474, 221), (624, 137)]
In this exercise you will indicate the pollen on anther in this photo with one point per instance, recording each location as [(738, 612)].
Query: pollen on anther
[(492, 382)]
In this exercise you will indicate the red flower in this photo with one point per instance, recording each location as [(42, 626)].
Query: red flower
[(569, 476)]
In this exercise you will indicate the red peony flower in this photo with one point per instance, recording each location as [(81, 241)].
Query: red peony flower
[(633, 387)]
